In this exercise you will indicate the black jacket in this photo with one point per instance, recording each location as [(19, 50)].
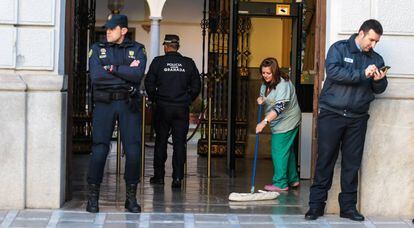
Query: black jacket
[(346, 89), (173, 79), (121, 56)]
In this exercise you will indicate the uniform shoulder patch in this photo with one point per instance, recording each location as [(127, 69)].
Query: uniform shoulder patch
[(90, 53), (144, 51)]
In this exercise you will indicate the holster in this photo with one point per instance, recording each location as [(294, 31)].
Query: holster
[(134, 103)]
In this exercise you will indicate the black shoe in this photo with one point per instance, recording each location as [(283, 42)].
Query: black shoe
[(176, 183), (352, 214), (93, 198), (156, 180), (313, 214), (131, 201)]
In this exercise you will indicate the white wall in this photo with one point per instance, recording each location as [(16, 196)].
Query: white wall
[(31, 33), (31, 68), (387, 173)]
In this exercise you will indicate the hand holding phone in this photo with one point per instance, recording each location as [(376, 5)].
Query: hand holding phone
[(380, 74), (385, 69)]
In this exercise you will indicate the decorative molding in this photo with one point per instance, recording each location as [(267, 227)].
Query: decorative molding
[(399, 88), (353, 13), (12, 82), (146, 27), (43, 82), (32, 53), (8, 46), (24, 18), (4, 11)]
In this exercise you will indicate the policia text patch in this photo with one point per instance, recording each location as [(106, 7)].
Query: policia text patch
[(174, 67)]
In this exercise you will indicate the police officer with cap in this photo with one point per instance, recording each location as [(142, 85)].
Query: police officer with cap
[(172, 83), (116, 69)]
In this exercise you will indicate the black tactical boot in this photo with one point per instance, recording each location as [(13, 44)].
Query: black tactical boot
[(131, 201), (93, 197)]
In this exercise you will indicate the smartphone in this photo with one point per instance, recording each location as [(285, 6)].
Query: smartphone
[(385, 68)]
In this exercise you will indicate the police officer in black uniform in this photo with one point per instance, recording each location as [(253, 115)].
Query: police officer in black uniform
[(172, 83), (116, 69)]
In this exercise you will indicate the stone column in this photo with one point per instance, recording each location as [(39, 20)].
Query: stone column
[(45, 143), (12, 141), (155, 38)]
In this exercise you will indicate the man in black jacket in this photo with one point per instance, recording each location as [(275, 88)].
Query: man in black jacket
[(172, 83), (353, 76), (116, 69)]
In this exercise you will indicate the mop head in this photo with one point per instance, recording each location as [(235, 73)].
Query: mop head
[(261, 195)]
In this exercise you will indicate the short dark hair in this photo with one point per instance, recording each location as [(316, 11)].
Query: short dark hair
[(174, 46), (371, 24)]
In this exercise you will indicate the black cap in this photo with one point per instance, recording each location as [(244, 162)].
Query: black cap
[(115, 20), (171, 38)]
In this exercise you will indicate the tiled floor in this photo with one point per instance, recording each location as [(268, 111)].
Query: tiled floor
[(198, 195), (200, 203), (63, 218)]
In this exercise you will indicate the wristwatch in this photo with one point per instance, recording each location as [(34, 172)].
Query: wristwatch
[(266, 121)]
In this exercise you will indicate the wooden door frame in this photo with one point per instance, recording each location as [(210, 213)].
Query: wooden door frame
[(69, 31), (319, 66)]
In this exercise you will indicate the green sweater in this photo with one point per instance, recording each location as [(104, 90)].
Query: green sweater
[(284, 102)]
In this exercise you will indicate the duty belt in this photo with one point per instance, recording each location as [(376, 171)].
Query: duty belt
[(118, 96)]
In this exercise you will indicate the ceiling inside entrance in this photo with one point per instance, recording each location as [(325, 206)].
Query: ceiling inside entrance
[(137, 10)]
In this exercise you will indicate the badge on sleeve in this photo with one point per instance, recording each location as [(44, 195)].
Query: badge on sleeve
[(90, 53), (131, 55), (103, 53)]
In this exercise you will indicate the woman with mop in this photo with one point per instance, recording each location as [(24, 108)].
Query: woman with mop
[(283, 116)]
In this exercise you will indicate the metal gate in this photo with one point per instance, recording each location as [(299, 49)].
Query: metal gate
[(217, 79), (229, 27), (79, 30), (83, 36)]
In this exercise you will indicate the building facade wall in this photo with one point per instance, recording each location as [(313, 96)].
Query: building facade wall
[(33, 106), (387, 171)]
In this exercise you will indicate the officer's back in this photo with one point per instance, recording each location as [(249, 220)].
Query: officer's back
[(172, 82), (173, 79)]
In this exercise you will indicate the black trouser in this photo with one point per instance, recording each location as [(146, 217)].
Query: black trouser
[(104, 116), (175, 119), (338, 132)]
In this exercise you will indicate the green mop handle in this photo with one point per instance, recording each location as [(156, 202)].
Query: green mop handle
[(256, 149)]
